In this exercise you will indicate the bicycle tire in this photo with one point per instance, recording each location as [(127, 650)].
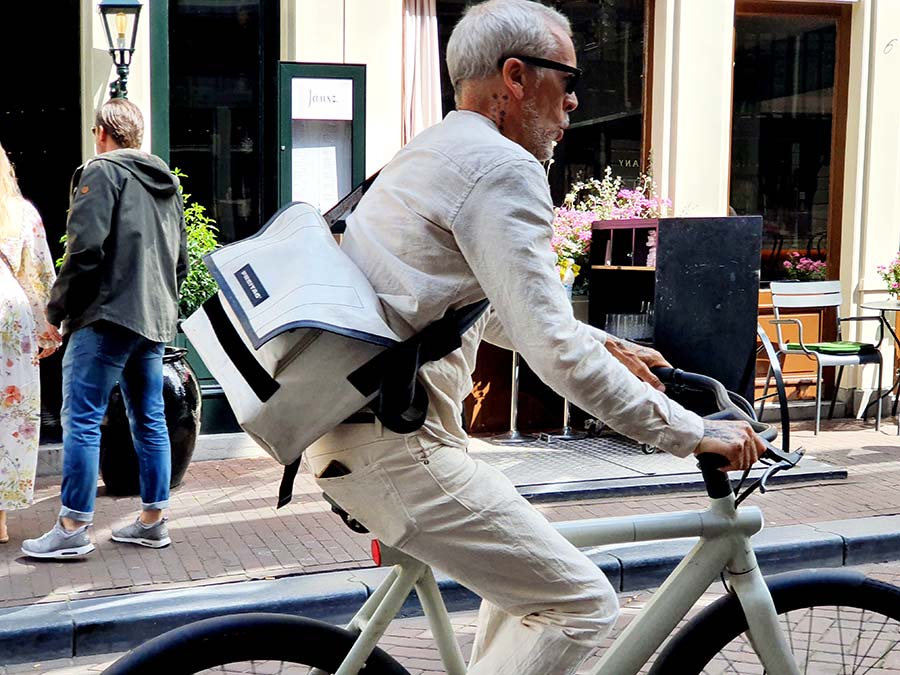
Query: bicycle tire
[(706, 637), (238, 638)]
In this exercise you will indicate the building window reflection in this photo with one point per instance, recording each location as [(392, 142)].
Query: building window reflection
[(215, 108), (784, 77), (606, 128)]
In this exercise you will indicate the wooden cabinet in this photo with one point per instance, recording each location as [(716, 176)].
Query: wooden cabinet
[(622, 270)]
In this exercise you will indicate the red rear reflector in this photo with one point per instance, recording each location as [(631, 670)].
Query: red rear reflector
[(376, 552)]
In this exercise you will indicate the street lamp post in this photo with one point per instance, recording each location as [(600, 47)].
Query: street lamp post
[(120, 19)]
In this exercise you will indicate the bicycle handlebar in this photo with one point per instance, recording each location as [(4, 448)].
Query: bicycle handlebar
[(711, 463)]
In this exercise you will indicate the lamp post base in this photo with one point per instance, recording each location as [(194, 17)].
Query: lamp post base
[(512, 437), (564, 434)]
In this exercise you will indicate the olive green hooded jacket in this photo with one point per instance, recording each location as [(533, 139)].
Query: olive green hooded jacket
[(126, 249)]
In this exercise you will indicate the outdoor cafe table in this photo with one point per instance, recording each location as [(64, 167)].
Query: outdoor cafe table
[(892, 306)]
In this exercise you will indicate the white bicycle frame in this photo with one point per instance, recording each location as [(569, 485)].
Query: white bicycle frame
[(724, 546)]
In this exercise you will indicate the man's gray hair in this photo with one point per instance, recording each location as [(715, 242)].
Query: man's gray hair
[(497, 28)]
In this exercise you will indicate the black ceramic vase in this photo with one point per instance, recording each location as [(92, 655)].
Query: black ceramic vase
[(181, 394)]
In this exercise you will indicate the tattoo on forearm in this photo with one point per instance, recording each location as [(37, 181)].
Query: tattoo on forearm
[(718, 433)]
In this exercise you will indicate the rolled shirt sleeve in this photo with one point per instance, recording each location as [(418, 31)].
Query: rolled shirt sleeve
[(503, 230)]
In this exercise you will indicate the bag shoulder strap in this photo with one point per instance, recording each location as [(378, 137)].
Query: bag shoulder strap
[(336, 216)]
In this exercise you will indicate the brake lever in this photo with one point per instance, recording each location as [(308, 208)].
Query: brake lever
[(780, 457), (771, 471)]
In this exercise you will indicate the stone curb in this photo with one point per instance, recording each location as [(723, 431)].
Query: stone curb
[(107, 625)]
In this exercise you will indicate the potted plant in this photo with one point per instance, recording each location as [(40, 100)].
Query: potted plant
[(799, 268), (890, 273), (181, 389)]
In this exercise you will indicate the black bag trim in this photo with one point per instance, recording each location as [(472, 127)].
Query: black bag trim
[(286, 489), (262, 384), (402, 403)]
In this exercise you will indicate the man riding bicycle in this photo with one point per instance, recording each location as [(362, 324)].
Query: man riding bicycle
[(464, 212)]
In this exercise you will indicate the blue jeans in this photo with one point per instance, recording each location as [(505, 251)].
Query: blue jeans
[(98, 356)]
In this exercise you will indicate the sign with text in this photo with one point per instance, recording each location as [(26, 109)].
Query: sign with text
[(321, 99)]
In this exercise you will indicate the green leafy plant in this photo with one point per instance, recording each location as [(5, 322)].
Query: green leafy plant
[(202, 238)]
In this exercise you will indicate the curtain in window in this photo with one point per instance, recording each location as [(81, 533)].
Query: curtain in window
[(421, 68)]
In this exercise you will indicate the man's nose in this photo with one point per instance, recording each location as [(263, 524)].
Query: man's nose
[(570, 102)]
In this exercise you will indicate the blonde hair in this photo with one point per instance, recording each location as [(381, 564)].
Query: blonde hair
[(10, 197)]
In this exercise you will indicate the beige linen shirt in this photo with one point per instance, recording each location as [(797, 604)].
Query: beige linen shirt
[(462, 213)]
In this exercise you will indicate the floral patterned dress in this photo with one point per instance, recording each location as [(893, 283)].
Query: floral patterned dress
[(24, 292)]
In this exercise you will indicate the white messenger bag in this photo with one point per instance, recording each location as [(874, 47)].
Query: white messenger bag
[(297, 339)]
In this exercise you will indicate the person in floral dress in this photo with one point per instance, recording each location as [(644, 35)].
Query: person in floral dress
[(26, 276)]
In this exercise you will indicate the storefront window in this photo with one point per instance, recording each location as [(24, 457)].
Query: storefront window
[(781, 163), (606, 127), (215, 108)]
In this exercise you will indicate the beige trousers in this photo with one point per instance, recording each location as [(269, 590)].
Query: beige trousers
[(546, 605)]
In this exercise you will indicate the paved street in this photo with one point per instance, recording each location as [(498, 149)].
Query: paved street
[(225, 528), (410, 641)]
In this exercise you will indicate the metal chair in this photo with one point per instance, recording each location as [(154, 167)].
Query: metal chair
[(766, 346), (839, 353)]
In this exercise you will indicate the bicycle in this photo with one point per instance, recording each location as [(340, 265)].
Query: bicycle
[(757, 618)]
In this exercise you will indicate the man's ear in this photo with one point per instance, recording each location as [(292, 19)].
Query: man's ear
[(513, 75)]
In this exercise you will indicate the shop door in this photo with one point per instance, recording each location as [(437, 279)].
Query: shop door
[(788, 137), (40, 128)]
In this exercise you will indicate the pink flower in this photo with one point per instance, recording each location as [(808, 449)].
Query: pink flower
[(27, 429)]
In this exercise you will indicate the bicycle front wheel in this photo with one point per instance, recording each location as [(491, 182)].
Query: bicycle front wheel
[(246, 644), (835, 622)]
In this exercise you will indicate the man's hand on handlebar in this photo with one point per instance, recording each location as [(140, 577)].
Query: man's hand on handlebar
[(735, 441), (638, 359)]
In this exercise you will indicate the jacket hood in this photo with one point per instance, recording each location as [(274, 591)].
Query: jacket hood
[(150, 170)]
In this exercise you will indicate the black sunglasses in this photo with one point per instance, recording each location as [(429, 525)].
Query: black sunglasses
[(571, 82)]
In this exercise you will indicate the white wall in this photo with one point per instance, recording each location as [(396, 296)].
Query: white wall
[(691, 107), (97, 71), (871, 208), (366, 32)]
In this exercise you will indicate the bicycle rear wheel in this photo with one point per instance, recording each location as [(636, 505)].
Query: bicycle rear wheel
[(247, 644), (836, 622)]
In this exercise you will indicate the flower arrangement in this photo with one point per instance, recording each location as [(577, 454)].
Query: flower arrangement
[(891, 275), (571, 240), (610, 201), (804, 269), (603, 199)]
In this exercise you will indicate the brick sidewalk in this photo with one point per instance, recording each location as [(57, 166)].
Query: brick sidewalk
[(225, 528), (411, 643)]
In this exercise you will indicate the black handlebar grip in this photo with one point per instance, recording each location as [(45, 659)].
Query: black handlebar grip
[(718, 484), (664, 373)]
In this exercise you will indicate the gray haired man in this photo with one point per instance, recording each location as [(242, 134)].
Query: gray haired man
[(462, 213)]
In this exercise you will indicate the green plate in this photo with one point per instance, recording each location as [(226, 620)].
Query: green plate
[(843, 347)]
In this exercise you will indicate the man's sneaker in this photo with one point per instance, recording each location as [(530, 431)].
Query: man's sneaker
[(59, 544), (154, 536)]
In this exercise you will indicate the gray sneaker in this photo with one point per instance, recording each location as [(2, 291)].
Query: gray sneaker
[(154, 536), (59, 544)]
